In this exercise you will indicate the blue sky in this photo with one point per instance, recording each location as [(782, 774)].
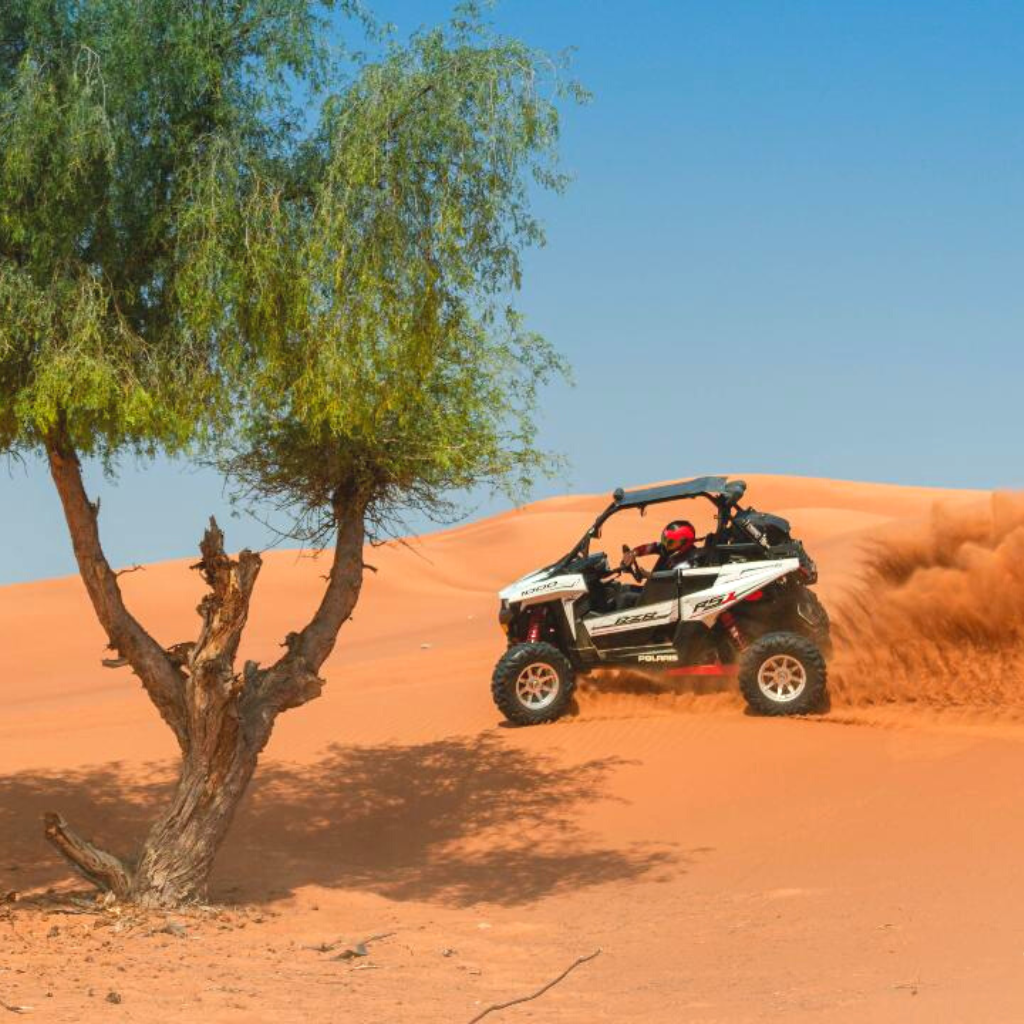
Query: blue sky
[(794, 244)]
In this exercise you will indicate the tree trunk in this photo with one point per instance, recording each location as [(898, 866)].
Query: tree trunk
[(222, 718), (220, 754), (179, 852)]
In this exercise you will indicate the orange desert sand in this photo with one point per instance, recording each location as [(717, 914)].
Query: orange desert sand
[(865, 865)]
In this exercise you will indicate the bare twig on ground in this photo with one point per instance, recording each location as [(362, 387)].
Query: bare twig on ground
[(11, 1008), (525, 999), (327, 947)]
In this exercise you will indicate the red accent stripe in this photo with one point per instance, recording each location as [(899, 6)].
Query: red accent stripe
[(703, 670)]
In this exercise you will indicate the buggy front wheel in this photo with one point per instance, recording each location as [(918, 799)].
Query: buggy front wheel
[(533, 683), (783, 674)]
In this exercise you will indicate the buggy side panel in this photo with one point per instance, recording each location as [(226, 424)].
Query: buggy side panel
[(642, 618), (729, 584)]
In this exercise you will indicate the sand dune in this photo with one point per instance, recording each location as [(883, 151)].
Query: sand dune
[(731, 868)]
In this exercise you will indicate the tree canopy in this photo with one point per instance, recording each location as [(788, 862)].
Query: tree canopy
[(217, 233)]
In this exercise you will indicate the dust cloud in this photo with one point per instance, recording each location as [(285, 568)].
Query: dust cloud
[(937, 618)]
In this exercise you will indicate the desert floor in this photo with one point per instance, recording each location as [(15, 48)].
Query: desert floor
[(864, 865)]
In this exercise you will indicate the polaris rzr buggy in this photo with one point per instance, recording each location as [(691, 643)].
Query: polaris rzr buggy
[(742, 606)]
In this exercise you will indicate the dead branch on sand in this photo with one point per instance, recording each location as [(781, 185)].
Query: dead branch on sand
[(525, 999), (351, 949), (97, 866)]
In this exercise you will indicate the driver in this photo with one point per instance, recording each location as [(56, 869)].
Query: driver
[(674, 549)]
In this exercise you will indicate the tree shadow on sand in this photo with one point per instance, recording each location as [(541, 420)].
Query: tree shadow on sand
[(455, 821)]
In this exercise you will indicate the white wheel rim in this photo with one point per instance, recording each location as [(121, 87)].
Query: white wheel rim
[(537, 686), (782, 678)]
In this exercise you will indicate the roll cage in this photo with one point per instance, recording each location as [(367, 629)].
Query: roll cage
[(720, 491)]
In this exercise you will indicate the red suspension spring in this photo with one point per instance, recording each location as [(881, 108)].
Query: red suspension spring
[(729, 621), (533, 627)]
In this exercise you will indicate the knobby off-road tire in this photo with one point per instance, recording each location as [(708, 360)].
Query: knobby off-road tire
[(533, 683), (783, 674)]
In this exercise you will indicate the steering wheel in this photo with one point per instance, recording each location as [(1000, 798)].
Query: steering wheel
[(631, 569)]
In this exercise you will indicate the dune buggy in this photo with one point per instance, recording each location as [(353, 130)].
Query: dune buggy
[(742, 606)]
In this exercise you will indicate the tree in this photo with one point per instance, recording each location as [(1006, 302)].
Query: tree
[(189, 263)]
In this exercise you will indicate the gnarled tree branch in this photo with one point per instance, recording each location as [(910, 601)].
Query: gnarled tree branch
[(212, 682), (225, 609), (313, 644), (294, 678), (163, 680)]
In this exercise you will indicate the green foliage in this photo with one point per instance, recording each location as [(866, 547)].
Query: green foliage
[(106, 106), (181, 262)]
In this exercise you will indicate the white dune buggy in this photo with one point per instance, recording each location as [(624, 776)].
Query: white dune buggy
[(741, 607)]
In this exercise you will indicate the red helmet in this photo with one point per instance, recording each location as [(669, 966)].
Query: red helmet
[(678, 536)]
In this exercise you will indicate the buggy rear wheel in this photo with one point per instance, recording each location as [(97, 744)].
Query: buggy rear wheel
[(533, 683), (783, 674)]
